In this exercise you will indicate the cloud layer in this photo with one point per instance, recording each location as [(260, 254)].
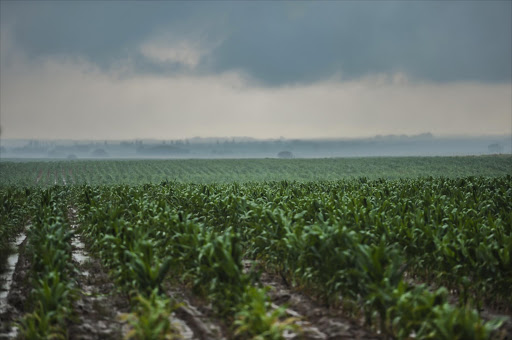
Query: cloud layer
[(277, 43), (170, 70)]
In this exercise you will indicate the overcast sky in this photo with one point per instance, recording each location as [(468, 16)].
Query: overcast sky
[(168, 70)]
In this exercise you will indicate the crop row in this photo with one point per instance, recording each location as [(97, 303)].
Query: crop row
[(449, 231), (51, 273), (350, 242), (134, 172), (364, 245), (141, 251)]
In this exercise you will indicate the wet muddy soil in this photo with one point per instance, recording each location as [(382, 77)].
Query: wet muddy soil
[(197, 315), (487, 312), (6, 278), (98, 307), (17, 294), (317, 321)]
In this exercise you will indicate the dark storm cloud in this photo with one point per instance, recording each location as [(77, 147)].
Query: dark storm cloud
[(280, 43)]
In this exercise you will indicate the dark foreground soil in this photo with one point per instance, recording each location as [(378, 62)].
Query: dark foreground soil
[(197, 315), (317, 321), (98, 307), (18, 294)]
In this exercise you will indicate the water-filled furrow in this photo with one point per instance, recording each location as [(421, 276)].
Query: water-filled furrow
[(7, 279)]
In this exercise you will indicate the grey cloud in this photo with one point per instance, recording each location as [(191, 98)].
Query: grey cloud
[(281, 43)]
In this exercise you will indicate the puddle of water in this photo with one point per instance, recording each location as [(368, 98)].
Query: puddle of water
[(19, 239), (12, 334), (6, 278), (80, 257), (79, 254), (12, 260), (77, 243)]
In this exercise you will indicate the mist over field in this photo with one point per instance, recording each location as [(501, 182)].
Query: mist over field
[(245, 147)]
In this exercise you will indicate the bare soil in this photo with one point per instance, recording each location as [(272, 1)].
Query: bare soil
[(98, 306), (18, 294), (487, 311), (198, 315), (317, 320)]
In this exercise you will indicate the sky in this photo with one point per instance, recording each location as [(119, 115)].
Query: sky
[(171, 70)]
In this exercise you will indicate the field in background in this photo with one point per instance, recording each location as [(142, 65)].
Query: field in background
[(46, 173)]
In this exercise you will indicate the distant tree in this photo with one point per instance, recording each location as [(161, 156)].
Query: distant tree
[(495, 148), (285, 154), (99, 153)]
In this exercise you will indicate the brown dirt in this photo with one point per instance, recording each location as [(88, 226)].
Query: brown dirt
[(318, 321), (19, 292), (198, 315), (98, 306)]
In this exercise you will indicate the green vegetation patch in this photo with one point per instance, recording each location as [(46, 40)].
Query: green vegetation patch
[(100, 172)]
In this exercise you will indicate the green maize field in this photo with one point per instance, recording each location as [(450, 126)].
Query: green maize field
[(371, 248)]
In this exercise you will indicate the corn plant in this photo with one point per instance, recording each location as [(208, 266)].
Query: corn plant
[(150, 319), (256, 320), (53, 289)]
